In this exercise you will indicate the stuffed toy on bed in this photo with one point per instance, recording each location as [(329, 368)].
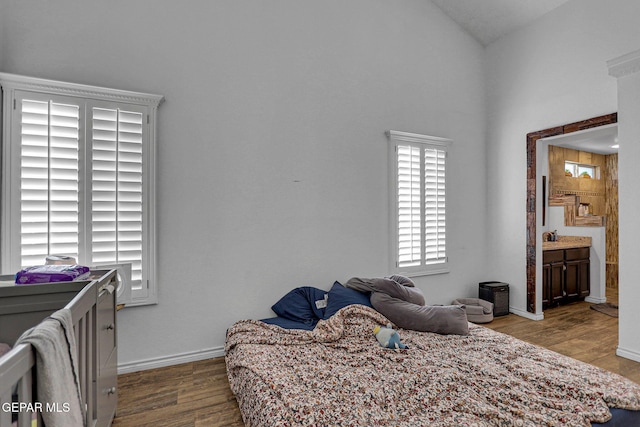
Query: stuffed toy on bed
[(388, 337)]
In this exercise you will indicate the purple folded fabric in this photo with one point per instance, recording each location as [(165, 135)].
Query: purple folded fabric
[(51, 273)]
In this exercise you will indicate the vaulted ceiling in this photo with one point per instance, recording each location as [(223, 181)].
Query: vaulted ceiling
[(488, 20)]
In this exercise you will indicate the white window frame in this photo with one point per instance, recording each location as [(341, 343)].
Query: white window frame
[(15, 87), (574, 168), (422, 143)]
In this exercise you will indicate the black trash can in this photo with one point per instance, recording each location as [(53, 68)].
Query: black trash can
[(498, 294)]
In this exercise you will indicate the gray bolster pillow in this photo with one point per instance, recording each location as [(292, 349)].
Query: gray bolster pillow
[(446, 319), (403, 280), (396, 290)]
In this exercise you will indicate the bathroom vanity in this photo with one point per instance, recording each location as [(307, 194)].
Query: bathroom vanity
[(565, 270)]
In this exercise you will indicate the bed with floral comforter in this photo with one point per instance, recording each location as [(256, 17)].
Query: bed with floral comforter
[(338, 375)]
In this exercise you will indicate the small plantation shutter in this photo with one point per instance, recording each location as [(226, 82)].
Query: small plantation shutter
[(435, 204), (409, 206)]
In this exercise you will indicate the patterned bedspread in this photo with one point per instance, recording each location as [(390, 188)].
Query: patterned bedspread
[(338, 375)]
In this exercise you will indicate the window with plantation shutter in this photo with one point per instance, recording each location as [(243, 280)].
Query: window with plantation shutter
[(78, 177), (418, 199)]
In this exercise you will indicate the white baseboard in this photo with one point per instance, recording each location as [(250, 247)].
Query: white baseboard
[(161, 362), (628, 354), (595, 300), (526, 314)]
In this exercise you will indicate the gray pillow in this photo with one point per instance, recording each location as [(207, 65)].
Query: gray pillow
[(446, 319)]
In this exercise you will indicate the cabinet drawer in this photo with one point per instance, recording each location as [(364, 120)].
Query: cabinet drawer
[(106, 326), (107, 393), (552, 256), (575, 254)]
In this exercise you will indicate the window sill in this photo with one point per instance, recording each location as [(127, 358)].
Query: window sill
[(419, 273)]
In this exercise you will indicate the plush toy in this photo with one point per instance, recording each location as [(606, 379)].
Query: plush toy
[(388, 337)]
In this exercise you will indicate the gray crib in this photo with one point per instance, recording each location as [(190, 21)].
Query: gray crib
[(92, 304)]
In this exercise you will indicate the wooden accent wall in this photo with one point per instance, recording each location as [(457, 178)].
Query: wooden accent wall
[(590, 190), (611, 185)]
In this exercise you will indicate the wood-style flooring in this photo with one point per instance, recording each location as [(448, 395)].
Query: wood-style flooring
[(197, 394), (193, 394), (577, 331)]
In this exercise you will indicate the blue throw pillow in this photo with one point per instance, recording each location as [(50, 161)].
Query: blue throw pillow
[(299, 305), (340, 297)]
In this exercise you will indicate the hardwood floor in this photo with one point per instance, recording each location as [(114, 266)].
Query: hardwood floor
[(193, 394), (577, 331), (197, 394)]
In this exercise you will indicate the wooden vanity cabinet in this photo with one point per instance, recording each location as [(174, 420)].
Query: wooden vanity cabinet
[(565, 276)]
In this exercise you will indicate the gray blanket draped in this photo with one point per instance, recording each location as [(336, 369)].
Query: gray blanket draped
[(58, 383), (398, 299)]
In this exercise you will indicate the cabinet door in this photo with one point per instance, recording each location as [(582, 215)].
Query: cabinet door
[(546, 285), (556, 288), (584, 278), (572, 280)]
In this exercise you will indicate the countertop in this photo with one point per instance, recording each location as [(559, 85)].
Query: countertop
[(567, 242)]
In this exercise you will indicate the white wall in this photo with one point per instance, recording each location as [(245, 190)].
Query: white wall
[(2, 39), (272, 154), (628, 72), (551, 73)]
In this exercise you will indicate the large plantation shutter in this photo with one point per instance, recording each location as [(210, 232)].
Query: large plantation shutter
[(419, 199), (49, 179), (117, 186)]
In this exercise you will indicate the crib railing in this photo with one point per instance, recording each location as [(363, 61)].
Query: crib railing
[(16, 387), (83, 312)]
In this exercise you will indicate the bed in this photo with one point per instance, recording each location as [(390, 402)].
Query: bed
[(332, 371), (29, 393)]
